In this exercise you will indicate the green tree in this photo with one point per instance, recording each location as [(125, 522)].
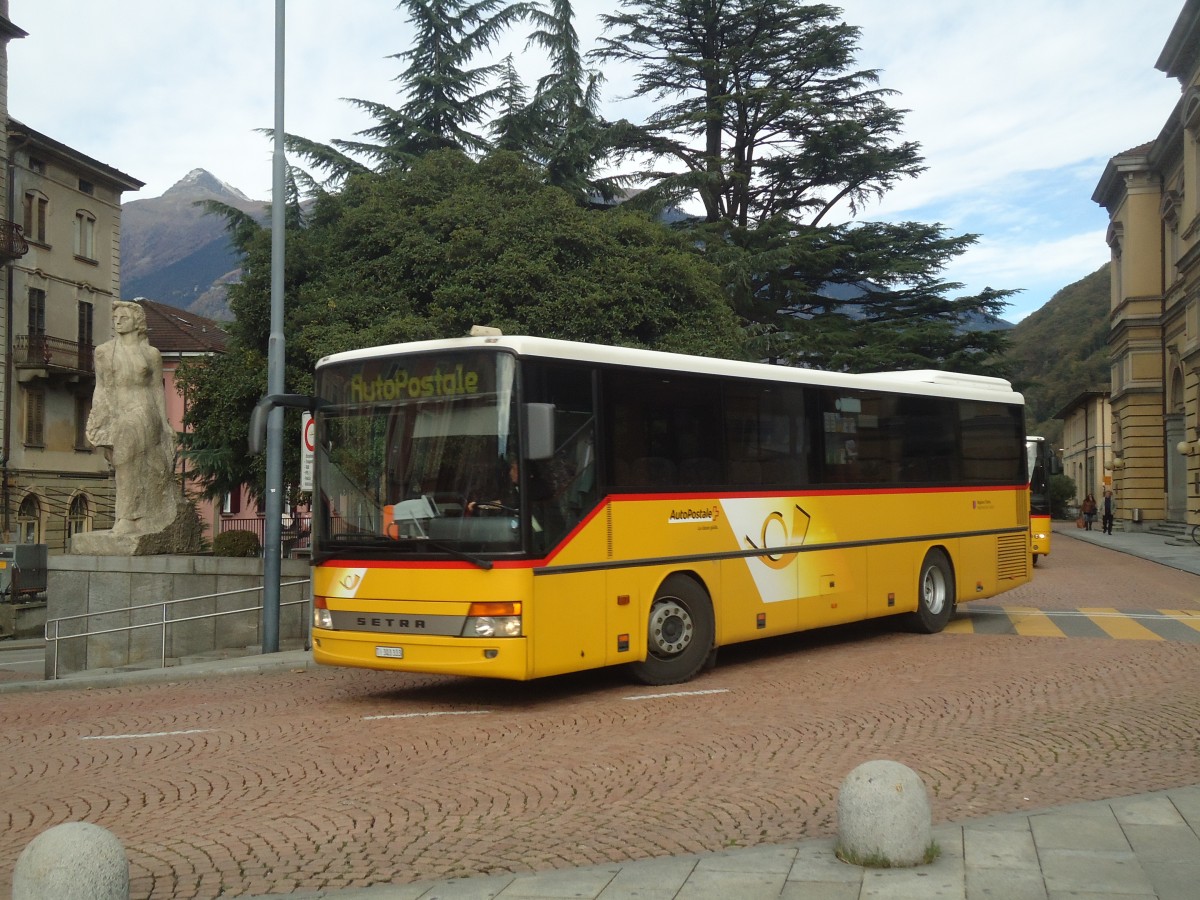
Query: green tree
[(1062, 495), (1061, 351), (564, 132), (428, 252), (761, 117), (447, 97)]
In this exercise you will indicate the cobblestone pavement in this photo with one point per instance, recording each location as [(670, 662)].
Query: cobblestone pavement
[(328, 779)]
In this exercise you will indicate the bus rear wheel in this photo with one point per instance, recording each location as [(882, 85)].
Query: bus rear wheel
[(935, 594), (679, 634)]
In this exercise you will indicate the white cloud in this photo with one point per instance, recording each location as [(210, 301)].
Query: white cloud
[(1040, 268)]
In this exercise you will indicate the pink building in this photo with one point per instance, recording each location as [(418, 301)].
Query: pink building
[(178, 335)]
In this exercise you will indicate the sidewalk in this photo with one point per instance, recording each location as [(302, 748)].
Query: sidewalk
[(1136, 543), (1135, 847), (1144, 847)]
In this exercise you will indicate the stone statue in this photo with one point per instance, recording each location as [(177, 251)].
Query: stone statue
[(129, 422)]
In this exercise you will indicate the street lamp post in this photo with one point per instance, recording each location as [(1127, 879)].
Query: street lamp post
[(275, 349)]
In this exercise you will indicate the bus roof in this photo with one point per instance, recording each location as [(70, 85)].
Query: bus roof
[(921, 381)]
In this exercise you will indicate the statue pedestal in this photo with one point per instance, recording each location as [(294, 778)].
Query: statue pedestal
[(111, 612), (183, 536)]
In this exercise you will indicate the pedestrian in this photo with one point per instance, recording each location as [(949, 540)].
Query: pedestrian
[(1088, 508), (1106, 518)]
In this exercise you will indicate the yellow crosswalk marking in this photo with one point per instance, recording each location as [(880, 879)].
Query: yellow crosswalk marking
[(1033, 623), (1029, 621), (1118, 625)]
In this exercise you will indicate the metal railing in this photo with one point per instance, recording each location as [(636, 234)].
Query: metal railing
[(12, 241), (53, 625), (40, 351)]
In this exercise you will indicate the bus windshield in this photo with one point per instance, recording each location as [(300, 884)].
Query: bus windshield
[(418, 455), (1039, 487)]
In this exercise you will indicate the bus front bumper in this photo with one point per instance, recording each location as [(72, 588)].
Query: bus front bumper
[(476, 657)]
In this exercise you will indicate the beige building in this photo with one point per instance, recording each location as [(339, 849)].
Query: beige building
[(62, 266), (1085, 447), (1152, 194), (69, 208)]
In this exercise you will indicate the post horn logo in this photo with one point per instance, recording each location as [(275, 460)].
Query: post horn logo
[(774, 527)]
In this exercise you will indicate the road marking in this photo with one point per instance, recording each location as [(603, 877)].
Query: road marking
[(1118, 626), (149, 734), (1034, 623), (676, 694), (428, 715), (1098, 622), (1188, 617)]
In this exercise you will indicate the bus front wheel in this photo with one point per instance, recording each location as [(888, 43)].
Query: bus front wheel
[(935, 594), (679, 634)]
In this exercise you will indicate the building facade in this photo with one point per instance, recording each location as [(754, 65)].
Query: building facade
[(1086, 447), (13, 245), (69, 208), (179, 336), (1152, 195), (59, 243)]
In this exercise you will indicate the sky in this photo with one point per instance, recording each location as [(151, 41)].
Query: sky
[(1017, 106)]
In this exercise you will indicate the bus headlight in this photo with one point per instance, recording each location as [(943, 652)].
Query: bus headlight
[(322, 617), (489, 620), (493, 626)]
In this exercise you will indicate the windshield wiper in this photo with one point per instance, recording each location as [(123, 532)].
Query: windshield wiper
[(485, 564)]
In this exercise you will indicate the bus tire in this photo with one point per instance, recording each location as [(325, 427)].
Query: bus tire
[(935, 594), (679, 634), (1035, 556)]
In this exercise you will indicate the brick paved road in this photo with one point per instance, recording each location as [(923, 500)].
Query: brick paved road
[(328, 779)]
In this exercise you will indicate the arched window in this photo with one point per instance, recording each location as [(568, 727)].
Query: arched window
[(35, 206), (29, 520), (77, 516), (85, 234), (1177, 395)]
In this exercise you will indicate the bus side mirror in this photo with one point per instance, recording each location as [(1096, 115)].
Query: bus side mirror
[(539, 430)]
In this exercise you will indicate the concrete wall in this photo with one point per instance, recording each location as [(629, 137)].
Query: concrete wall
[(116, 592)]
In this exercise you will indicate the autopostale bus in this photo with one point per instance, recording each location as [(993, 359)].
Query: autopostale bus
[(515, 507), (1041, 463)]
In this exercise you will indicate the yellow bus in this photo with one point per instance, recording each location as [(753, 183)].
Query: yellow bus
[(1041, 463), (517, 507)]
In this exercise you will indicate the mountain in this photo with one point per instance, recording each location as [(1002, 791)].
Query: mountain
[(1061, 351), (175, 253), (848, 293)]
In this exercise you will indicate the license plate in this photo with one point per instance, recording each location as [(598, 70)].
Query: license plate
[(390, 652)]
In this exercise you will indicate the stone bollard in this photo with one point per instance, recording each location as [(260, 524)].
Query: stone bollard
[(884, 816), (74, 861)]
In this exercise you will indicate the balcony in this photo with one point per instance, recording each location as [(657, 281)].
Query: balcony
[(12, 242), (54, 355)]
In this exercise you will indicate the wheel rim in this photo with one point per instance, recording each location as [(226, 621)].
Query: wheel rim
[(933, 590), (671, 628)]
